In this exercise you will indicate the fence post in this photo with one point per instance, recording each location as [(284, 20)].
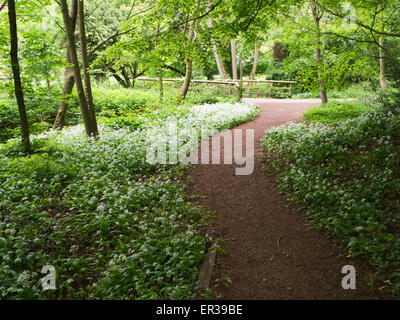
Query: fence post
[(240, 84)]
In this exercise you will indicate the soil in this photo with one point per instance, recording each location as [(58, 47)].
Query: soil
[(270, 249)]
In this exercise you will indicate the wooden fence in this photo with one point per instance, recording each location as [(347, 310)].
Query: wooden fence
[(258, 88)]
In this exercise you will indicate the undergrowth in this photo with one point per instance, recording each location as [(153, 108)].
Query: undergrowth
[(348, 179), (113, 225)]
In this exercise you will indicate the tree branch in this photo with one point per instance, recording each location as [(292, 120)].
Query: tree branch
[(118, 33), (3, 4), (372, 29), (174, 69)]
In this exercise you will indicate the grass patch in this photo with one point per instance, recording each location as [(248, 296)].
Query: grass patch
[(363, 90), (335, 112)]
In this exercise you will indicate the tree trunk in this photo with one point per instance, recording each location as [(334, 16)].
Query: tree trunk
[(69, 80), (74, 59), (118, 78), (189, 63), (254, 69), (382, 64), (220, 63), (186, 82), (19, 94), (160, 84), (85, 65), (234, 60), (240, 86), (317, 18), (160, 78), (69, 83), (126, 77), (218, 58)]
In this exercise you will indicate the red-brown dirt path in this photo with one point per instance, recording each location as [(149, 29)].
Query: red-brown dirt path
[(272, 252)]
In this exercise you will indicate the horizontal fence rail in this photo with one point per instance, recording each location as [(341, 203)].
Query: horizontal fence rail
[(250, 87)]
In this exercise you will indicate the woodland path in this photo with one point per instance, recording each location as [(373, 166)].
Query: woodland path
[(272, 251)]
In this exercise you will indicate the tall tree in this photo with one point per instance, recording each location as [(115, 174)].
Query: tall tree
[(219, 62), (234, 60), (19, 94), (189, 61), (382, 64), (69, 80), (85, 65), (317, 16), (74, 59), (159, 71), (381, 44), (254, 68), (217, 56)]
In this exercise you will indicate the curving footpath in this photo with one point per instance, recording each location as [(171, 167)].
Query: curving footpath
[(272, 252)]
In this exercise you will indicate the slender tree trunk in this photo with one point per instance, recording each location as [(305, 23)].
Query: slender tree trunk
[(19, 94), (69, 80), (118, 78), (240, 86), (217, 56), (219, 62), (74, 59), (254, 69), (160, 78), (319, 57), (85, 65), (186, 81), (126, 77), (382, 64), (69, 83), (189, 63), (234, 60), (160, 84)]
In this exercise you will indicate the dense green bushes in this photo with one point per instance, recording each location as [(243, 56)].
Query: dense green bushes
[(348, 179), (110, 103), (9, 121)]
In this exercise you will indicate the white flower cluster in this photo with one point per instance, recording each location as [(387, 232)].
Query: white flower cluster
[(100, 198), (348, 179)]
